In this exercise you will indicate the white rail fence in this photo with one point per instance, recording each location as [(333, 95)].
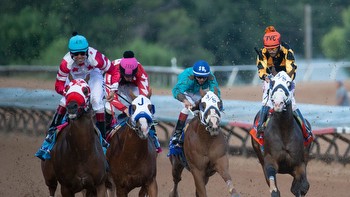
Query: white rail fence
[(226, 75)]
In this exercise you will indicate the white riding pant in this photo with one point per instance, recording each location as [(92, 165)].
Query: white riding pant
[(97, 92), (124, 93), (266, 97), (192, 98)]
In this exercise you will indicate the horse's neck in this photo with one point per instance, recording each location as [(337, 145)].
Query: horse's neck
[(131, 137), (284, 120), (200, 128), (81, 131)]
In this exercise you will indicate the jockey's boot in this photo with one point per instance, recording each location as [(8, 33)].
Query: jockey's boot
[(109, 122), (57, 120), (58, 117), (154, 137), (44, 152), (176, 139), (307, 133), (101, 125), (262, 118)]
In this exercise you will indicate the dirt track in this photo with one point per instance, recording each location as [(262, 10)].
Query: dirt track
[(20, 173)]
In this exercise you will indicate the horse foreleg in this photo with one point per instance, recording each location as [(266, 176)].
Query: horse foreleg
[(199, 181), (270, 172), (176, 171), (66, 192), (49, 176), (111, 188), (153, 188), (222, 166), (300, 185), (122, 192), (101, 190)]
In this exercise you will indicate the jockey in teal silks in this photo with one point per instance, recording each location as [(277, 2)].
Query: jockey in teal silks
[(187, 91)]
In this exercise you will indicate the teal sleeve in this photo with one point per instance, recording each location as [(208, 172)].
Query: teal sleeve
[(183, 85), (214, 84)]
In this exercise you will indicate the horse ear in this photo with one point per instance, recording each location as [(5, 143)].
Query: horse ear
[(87, 78), (132, 95), (202, 106), (132, 109), (201, 91), (149, 94), (151, 108), (70, 77), (86, 91), (216, 91), (221, 105)]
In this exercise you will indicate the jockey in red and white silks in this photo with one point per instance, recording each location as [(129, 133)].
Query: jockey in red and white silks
[(132, 77), (93, 66)]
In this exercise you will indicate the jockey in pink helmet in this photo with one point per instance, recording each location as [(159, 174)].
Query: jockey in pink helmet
[(132, 77)]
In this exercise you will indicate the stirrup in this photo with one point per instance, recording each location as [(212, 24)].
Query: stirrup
[(260, 130), (159, 149)]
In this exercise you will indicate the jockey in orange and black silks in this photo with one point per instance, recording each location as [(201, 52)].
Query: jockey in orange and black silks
[(274, 57)]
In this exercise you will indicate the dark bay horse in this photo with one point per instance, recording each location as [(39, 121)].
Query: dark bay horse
[(132, 154), (205, 148), (77, 159), (284, 151)]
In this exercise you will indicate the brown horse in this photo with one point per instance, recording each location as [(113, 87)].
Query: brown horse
[(205, 148), (132, 154), (284, 151), (77, 159)]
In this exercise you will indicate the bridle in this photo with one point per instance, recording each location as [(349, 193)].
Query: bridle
[(209, 109)]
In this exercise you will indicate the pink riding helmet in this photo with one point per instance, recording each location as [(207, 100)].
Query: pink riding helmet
[(128, 66)]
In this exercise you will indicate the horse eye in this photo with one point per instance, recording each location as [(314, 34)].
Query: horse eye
[(86, 91), (67, 88), (202, 106)]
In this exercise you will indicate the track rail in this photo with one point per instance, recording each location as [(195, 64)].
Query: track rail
[(331, 144)]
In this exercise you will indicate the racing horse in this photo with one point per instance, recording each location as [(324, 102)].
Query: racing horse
[(132, 154), (77, 159), (284, 151), (205, 148)]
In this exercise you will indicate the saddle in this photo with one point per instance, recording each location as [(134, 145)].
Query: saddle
[(178, 151), (44, 152), (260, 140)]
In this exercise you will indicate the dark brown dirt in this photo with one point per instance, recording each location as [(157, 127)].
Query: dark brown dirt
[(20, 173)]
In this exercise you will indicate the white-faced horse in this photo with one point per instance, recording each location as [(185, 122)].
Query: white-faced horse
[(284, 150), (77, 159), (205, 148), (132, 154)]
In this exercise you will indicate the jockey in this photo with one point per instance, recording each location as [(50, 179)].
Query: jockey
[(187, 92), (133, 78), (84, 62), (273, 58)]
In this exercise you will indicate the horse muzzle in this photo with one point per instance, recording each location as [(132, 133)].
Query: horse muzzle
[(73, 110), (278, 106)]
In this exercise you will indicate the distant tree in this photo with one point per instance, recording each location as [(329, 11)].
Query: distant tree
[(336, 43), (146, 53)]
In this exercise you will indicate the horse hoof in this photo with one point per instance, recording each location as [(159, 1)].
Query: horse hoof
[(275, 194), (235, 195)]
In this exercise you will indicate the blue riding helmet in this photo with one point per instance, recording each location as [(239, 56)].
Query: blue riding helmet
[(78, 43), (201, 69)]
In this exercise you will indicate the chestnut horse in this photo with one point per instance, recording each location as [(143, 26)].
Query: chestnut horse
[(77, 159), (284, 151), (205, 148), (132, 154)]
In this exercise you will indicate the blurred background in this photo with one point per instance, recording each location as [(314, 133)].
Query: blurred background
[(223, 32)]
